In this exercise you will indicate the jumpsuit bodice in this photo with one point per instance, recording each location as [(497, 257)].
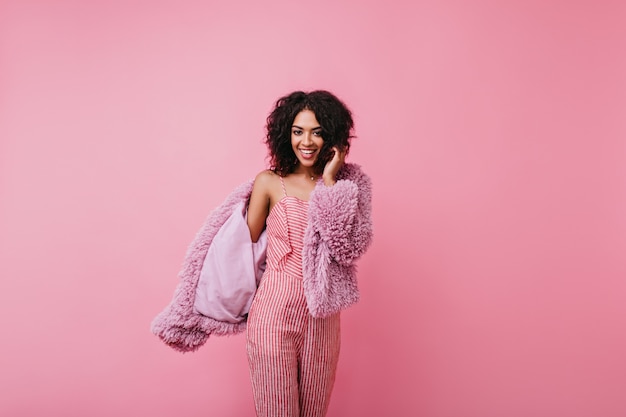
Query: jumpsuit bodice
[(286, 225)]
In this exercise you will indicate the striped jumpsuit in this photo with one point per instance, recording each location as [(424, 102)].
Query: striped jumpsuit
[(292, 355)]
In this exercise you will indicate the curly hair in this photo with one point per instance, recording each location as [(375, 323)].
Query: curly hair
[(334, 118)]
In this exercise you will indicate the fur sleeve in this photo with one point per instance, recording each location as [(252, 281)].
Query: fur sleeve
[(341, 214), (179, 325)]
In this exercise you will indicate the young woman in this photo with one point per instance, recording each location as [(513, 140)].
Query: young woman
[(316, 209)]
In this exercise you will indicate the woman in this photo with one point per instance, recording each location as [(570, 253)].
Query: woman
[(316, 210)]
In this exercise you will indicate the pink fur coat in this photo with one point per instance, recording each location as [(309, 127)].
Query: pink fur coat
[(339, 231)]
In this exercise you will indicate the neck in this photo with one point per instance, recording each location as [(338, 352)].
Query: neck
[(307, 173)]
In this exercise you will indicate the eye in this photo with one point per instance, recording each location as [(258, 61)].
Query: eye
[(296, 132), (318, 133)]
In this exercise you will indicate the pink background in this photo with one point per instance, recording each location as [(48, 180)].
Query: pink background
[(494, 133)]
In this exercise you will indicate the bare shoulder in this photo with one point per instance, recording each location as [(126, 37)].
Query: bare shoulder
[(266, 181), (267, 175), (267, 184)]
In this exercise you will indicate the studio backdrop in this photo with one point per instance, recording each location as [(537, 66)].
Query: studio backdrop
[(494, 133)]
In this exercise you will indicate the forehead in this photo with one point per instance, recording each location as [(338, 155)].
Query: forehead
[(306, 119)]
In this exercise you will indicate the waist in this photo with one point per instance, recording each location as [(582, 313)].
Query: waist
[(289, 269)]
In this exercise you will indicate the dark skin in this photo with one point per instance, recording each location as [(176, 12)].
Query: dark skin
[(307, 141)]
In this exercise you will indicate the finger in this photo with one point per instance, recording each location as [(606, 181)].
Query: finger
[(339, 151), (334, 153)]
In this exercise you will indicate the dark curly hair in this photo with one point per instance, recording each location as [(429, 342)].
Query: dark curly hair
[(334, 118)]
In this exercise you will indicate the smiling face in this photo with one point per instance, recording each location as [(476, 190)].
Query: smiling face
[(306, 138)]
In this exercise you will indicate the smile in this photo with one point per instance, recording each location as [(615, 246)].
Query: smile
[(307, 153)]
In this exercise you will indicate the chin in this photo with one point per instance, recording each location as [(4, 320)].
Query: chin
[(307, 163)]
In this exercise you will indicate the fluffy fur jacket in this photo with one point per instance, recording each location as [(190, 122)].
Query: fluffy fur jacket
[(339, 231)]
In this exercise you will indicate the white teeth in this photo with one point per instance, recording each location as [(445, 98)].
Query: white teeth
[(306, 152)]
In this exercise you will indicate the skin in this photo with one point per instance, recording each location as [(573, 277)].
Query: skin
[(306, 142)]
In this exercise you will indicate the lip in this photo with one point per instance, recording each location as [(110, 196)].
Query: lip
[(307, 153)]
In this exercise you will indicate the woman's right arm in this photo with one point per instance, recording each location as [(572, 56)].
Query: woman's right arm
[(259, 206)]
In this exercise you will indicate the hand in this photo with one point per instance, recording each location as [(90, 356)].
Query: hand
[(333, 166)]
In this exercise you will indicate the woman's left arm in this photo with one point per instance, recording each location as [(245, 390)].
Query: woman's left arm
[(341, 214)]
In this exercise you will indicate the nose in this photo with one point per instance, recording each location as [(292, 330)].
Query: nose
[(308, 138)]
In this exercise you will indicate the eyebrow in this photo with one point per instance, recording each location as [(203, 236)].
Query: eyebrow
[(298, 127)]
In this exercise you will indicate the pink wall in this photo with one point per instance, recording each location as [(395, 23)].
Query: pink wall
[(495, 136)]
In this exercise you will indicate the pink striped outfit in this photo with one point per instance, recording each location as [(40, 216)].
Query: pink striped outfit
[(292, 355)]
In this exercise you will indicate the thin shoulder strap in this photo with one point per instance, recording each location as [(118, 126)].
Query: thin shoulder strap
[(283, 184)]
